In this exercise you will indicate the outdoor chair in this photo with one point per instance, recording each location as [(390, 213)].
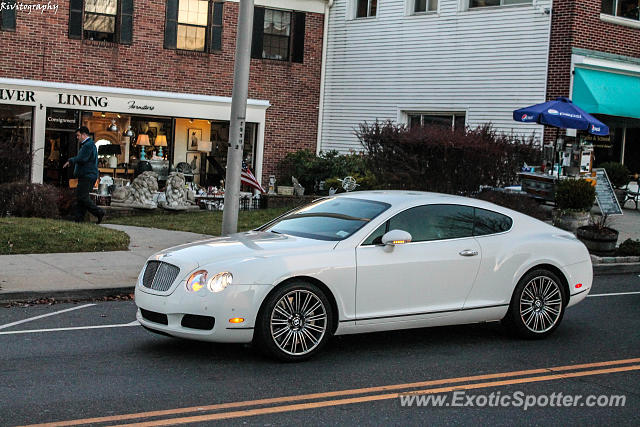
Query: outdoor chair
[(632, 195)]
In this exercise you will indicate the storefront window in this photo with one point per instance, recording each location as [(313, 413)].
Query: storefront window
[(15, 142), (60, 145)]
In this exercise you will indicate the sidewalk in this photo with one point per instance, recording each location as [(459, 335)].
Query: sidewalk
[(95, 274), (75, 275)]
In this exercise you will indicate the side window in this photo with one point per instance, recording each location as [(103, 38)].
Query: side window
[(375, 238), (435, 222), (488, 222)]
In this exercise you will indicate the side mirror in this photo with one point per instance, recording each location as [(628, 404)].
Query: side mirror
[(396, 237)]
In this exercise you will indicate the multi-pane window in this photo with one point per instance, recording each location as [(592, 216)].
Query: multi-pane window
[(485, 3), (277, 34), (8, 16), (629, 9), (100, 20), (365, 8), (193, 18), (421, 6), (451, 120)]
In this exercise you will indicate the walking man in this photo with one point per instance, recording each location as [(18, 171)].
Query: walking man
[(85, 168)]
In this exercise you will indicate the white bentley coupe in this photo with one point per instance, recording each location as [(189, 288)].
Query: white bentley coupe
[(362, 262)]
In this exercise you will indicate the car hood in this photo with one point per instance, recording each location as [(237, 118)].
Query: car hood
[(238, 247)]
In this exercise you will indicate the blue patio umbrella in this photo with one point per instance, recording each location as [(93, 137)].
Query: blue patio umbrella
[(561, 113)]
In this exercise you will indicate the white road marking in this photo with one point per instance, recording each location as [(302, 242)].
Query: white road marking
[(613, 294), (33, 331), (8, 325)]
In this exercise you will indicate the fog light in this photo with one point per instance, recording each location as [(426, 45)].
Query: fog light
[(236, 320)]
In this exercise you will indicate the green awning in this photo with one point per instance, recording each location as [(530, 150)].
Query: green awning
[(600, 92)]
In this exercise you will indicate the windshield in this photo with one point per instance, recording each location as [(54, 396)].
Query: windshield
[(333, 218)]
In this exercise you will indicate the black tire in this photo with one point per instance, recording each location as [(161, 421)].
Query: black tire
[(314, 328), (537, 305)]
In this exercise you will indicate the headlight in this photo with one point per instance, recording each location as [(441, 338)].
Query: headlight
[(196, 281), (220, 281)]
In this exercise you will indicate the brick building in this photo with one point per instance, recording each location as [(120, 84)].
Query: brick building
[(153, 70), (594, 58)]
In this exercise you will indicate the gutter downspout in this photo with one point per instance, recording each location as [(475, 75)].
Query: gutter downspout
[(323, 67)]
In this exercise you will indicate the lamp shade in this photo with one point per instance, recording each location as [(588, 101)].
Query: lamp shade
[(204, 146), (143, 139), (161, 141), (109, 149)]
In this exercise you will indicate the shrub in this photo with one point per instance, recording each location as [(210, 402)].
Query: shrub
[(629, 248), (15, 160), (516, 201), (438, 159), (29, 200), (310, 169), (575, 195), (617, 172)]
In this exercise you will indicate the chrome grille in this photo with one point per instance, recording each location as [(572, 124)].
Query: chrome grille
[(159, 275)]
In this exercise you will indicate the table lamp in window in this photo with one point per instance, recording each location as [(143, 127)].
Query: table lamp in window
[(143, 141), (111, 150), (161, 141)]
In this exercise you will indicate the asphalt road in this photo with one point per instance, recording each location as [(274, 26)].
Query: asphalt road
[(121, 374)]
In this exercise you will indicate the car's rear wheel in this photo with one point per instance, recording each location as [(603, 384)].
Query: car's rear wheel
[(295, 322), (537, 305)]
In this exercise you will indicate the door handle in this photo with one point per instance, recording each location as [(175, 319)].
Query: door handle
[(469, 252)]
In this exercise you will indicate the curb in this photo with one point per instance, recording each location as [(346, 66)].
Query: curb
[(73, 294), (616, 268)]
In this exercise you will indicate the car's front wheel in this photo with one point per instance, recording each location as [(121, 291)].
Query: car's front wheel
[(537, 305), (295, 322)]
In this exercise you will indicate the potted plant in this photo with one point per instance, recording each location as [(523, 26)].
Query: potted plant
[(619, 176), (598, 237), (574, 199)]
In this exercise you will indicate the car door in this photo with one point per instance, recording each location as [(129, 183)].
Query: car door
[(431, 276)]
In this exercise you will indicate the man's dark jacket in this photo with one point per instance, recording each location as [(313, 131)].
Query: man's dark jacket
[(85, 164)]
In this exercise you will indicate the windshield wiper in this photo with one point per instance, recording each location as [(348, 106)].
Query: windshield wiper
[(327, 215)]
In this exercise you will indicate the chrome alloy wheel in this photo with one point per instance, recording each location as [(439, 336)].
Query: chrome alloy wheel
[(541, 304), (298, 322)]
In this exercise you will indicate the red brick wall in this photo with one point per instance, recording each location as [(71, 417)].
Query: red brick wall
[(576, 23), (40, 49)]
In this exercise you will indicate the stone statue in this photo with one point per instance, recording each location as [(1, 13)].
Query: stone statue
[(140, 193), (176, 193), (298, 189)]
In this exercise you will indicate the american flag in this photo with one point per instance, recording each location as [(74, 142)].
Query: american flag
[(246, 177)]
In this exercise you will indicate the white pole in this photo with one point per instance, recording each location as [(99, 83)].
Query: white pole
[(238, 118)]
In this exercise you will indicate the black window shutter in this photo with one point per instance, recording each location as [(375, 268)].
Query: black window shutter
[(126, 21), (297, 53), (8, 16), (216, 27), (171, 25), (76, 8), (258, 32)]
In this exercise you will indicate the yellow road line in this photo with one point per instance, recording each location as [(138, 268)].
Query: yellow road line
[(337, 393), (363, 399)]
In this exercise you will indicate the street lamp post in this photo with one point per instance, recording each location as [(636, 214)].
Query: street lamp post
[(238, 118)]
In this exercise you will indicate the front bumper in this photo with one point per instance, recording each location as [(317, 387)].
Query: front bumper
[(235, 301)]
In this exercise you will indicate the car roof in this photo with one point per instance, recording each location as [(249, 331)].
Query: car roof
[(400, 197), (405, 198)]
